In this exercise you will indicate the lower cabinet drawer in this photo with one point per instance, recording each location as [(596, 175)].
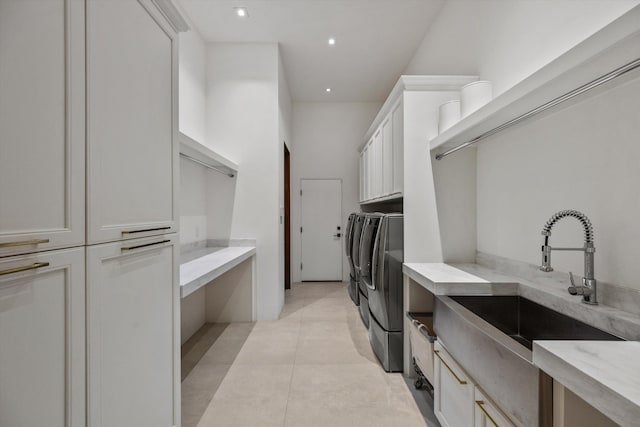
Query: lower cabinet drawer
[(486, 413), (453, 391), (422, 338)]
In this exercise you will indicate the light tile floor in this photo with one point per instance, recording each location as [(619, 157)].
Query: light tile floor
[(313, 367)]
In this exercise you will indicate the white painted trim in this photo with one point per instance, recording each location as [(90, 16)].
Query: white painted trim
[(173, 15)]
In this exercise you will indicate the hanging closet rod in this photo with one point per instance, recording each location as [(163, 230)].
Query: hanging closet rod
[(208, 166), (575, 92)]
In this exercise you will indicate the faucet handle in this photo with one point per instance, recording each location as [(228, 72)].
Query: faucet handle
[(572, 289)]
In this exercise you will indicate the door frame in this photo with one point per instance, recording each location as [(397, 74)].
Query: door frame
[(342, 235), (287, 217)]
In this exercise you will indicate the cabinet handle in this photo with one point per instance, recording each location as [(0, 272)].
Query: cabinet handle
[(23, 243), (145, 230), (437, 353), (130, 248), (25, 268), (480, 404)]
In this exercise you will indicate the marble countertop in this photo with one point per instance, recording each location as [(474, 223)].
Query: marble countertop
[(448, 279), (475, 279), (605, 374), (200, 266)]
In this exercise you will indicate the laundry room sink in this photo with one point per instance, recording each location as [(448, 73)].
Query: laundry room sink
[(491, 338), (525, 321)]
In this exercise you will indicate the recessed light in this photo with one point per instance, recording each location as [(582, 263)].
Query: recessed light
[(328, 89), (241, 12), (332, 41)]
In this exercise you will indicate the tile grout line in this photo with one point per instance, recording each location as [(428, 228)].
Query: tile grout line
[(293, 368)]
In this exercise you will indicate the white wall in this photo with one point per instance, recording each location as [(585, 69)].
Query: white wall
[(504, 41), (243, 124), (193, 202), (586, 158), (284, 132), (192, 83), (326, 137)]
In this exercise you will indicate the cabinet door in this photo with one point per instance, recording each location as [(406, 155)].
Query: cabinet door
[(487, 414), (361, 169), (397, 119), (42, 346), (387, 156), (368, 190), (131, 120), (453, 389), (131, 288), (42, 125), (377, 163)]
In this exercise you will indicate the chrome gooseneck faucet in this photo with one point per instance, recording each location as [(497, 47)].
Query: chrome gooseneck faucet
[(588, 288)]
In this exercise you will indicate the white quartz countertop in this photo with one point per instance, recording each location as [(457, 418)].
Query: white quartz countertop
[(475, 279), (606, 374), (199, 267), (445, 279)]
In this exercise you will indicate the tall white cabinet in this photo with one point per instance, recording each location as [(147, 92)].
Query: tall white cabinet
[(42, 339), (131, 340), (131, 121), (42, 107), (89, 294)]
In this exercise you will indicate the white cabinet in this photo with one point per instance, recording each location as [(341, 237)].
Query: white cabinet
[(42, 339), (361, 169), (383, 160), (397, 124), (42, 123), (132, 295), (453, 399), (458, 402), (387, 155), (377, 164), (486, 413), (368, 173), (132, 151)]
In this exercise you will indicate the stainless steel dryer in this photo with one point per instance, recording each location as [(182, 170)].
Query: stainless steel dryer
[(348, 249), (385, 292), (367, 242)]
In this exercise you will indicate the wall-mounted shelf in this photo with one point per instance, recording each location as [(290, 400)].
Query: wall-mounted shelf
[(194, 151), (612, 47)]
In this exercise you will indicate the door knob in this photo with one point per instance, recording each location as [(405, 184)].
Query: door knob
[(337, 235)]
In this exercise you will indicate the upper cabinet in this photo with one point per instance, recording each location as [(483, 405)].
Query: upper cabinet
[(42, 113), (403, 119), (381, 159), (132, 130)]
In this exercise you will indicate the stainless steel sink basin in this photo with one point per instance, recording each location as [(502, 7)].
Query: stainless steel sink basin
[(525, 321), (491, 338)]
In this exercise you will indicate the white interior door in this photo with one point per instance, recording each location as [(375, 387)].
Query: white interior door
[(321, 229)]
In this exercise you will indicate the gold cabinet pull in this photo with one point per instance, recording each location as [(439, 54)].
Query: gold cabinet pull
[(437, 353), (25, 268), (480, 404), (23, 243), (130, 248), (146, 230)]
